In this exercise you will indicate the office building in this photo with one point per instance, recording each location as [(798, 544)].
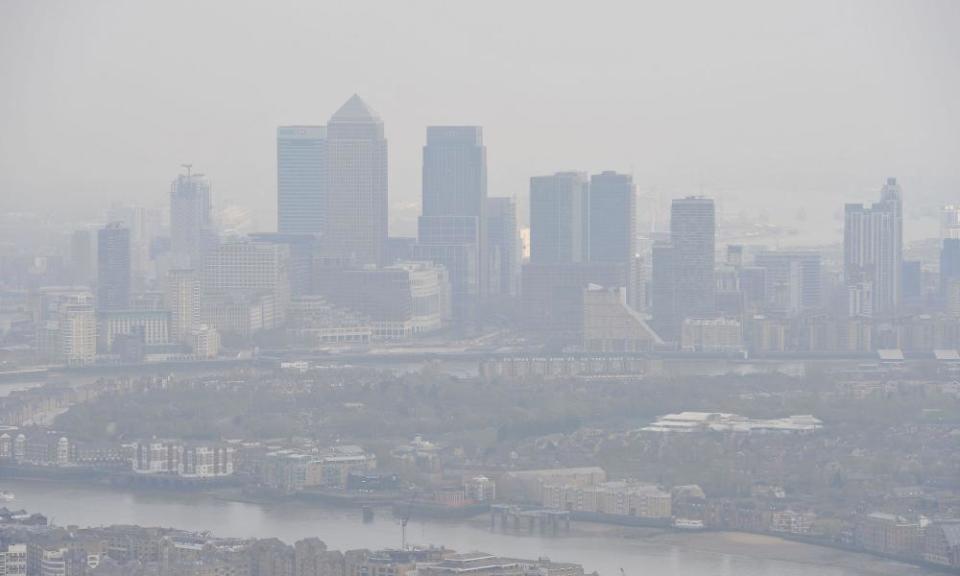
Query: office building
[(792, 281), (559, 224), (113, 267), (302, 250), (873, 252), (150, 327), (552, 296), (204, 341), (452, 230), (611, 326), (693, 233), (503, 248), (301, 179), (950, 222), (83, 257), (612, 218), (612, 224), (684, 285), (400, 301), (663, 294), (356, 214), (244, 270), (192, 231), (949, 263)]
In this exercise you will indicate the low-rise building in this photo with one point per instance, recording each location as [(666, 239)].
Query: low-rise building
[(941, 543), (888, 534), (483, 564)]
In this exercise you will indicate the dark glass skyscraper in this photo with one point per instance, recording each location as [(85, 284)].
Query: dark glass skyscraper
[(613, 219), (693, 235), (612, 227), (301, 179), (113, 267)]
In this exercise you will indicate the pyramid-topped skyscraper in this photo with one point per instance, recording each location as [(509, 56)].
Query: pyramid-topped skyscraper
[(356, 203)]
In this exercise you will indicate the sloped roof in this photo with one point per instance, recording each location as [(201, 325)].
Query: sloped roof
[(355, 110)]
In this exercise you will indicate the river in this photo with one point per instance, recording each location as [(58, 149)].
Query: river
[(667, 555)]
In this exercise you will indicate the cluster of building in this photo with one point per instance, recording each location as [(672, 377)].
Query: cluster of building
[(134, 550), (141, 288)]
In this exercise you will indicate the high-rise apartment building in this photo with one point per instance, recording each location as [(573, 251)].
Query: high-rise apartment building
[(192, 231), (182, 298), (356, 206), (301, 179), (559, 223), (113, 267), (873, 252)]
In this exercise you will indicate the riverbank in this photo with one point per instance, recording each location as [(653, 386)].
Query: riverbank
[(747, 545), (598, 546)]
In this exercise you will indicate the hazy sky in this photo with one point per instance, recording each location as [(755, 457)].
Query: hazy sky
[(767, 105)]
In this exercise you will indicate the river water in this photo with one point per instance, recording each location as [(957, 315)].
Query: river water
[(344, 529)]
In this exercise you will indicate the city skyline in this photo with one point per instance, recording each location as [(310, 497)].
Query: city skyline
[(670, 116)]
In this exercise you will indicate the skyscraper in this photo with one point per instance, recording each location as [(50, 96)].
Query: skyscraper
[(113, 267), (452, 229), (612, 226), (301, 179), (558, 218), (693, 232), (191, 223), (503, 247), (950, 221), (949, 264), (182, 299), (356, 214), (613, 219), (663, 292), (792, 280), (873, 253)]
